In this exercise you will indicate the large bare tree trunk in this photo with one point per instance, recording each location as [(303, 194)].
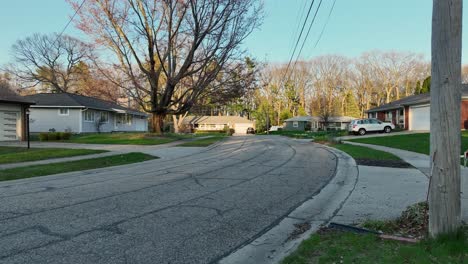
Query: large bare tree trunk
[(157, 123), (178, 122), (444, 189)]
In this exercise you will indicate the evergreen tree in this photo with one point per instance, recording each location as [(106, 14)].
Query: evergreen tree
[(417, 89), (426, 86), (351, 108)]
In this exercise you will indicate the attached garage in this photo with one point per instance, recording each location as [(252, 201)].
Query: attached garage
[(241, 128), (12, 115), (10, 125), (419, 117)]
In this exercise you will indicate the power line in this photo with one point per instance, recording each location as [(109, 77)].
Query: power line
[(302, 11), (299, 38), (69, 21), (307, 35), (326, 23)]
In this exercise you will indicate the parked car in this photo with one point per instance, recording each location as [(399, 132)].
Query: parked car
[(275, 128), (250, 130), (362, 126)]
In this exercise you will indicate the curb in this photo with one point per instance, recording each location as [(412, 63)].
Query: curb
[(273, 246)]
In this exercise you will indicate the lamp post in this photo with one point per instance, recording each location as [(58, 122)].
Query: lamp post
[(27, 127)]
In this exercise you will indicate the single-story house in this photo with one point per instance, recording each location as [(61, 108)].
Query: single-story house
[(217, 123), (68, 112), (413, 112), (13, 121), (314, 123)]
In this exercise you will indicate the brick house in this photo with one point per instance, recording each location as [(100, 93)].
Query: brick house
[(413, 112)]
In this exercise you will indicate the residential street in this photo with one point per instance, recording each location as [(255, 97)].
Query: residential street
[(194, 209)]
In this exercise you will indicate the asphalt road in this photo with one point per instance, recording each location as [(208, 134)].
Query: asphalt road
[(195, 209)]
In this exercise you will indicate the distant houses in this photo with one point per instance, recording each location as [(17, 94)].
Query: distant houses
[(314, 123)]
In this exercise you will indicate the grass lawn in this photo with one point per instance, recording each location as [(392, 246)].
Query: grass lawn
[(358, 152), (342, 247), (19, 154), (412, 142), (79, 165), (126, 138), (202, 142)]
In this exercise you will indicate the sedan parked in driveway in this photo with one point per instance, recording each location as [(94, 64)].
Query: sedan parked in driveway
[(362, 126)]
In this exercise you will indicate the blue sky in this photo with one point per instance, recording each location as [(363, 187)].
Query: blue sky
[(355, 26)]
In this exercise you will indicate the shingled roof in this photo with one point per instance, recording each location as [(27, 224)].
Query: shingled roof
[(8, 96), (79, 101), (417, 99)]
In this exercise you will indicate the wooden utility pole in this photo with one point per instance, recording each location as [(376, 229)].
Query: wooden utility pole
[(444, 189)]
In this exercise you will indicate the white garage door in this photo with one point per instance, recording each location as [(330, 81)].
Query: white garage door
[(419, 118), (8, 125), (241, 128)]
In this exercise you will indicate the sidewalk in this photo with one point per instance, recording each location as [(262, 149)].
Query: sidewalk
[(386, 186), (382, 194)]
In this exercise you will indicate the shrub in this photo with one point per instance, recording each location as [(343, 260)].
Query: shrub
[(54, 136), (230, 131), (65, 135), (43, 136)]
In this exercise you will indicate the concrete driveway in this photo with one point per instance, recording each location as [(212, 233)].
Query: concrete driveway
[(194, 209)]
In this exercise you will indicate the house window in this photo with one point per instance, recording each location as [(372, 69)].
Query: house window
[(104, 117), (125, 119), (295, 124), (63, 111), (89, 116), (373, 115)]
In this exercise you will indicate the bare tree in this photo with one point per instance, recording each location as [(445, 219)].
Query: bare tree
[(444, 189), (163, 45), (50, 60)]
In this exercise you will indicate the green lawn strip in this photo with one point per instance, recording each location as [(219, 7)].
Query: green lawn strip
[(359, 152), (412, 142), (19, 154), (69, 166), (124, 138), (344, 247), (204, 142)]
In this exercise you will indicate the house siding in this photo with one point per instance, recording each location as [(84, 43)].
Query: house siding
[(44, 119), (90, 126), (289, 126), (406, 117), (138, 124), (464, 114)]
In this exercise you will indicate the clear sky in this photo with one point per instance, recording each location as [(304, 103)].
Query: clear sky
[(355, 26)]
